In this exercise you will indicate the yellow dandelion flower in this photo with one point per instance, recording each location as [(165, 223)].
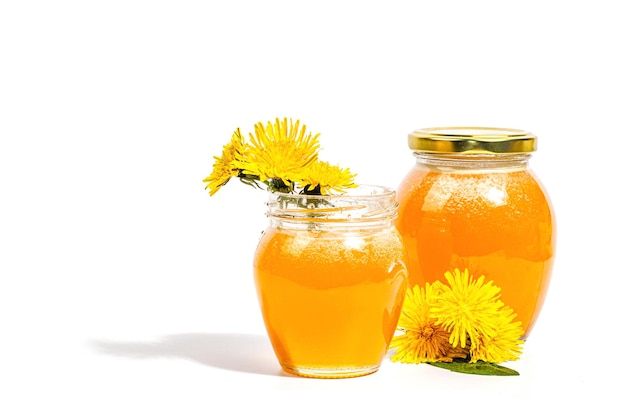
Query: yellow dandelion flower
[(504, 345), (279, 150), (423, 339), (468, 308), (325, 178), (225, 167)]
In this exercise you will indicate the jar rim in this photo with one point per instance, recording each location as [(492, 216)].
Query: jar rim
[(472, 140), (360, 191), (371, 204)]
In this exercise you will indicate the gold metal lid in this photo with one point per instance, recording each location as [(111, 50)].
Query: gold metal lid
[(477, 140)]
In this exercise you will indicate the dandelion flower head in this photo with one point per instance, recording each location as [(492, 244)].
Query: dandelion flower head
[(468, 308), (225, 166), (423, 340), (326, 178), (504, 345), (279, 150)]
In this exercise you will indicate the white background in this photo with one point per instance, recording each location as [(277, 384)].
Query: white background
[(125, 290)]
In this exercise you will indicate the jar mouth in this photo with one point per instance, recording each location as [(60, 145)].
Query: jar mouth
[(472, 140), (363, 204), (360, 191)]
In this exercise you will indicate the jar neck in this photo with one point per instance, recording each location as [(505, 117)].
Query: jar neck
[(367, 207), (474, 161)]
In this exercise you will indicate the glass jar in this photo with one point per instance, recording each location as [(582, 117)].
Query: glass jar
[(471, 202), (330, 273)]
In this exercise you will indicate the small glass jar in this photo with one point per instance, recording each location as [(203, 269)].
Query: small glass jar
[(330, 273), (471, 202)]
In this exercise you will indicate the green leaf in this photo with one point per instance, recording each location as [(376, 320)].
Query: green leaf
[(478, 368)]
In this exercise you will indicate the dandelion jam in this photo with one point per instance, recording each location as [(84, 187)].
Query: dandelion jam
[(330, 273), (471, 201)]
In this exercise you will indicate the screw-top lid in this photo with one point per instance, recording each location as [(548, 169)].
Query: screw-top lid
[(472, 140)]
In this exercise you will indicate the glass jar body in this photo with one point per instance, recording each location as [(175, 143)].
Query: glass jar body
[(485, 213), (330, 289)]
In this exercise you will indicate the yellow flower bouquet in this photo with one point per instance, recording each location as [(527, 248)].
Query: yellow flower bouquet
[(280, 156)]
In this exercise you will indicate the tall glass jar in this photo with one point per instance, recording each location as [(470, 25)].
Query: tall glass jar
[(471, 202), (330, 273)]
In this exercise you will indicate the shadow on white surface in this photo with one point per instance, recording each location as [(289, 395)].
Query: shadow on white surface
[(235, 352)]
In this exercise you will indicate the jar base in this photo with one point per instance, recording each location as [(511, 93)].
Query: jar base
[(330, 373)]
